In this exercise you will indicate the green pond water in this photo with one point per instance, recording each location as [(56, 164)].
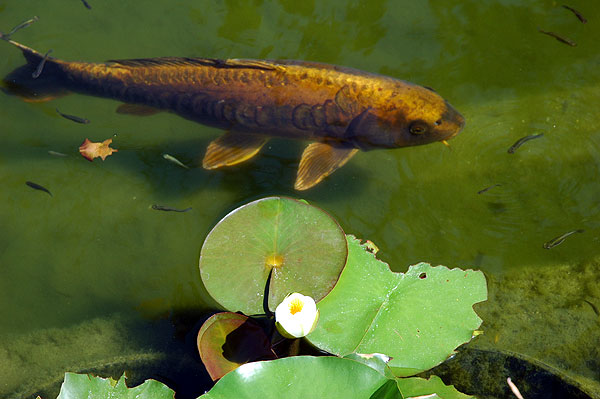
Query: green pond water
[(93, 275)]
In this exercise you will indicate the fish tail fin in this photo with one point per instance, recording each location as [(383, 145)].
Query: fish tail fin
[(39, 80)]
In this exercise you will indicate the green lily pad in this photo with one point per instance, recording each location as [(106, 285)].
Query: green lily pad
[(417, 318), (420, 387), (299, 377), (304, 246), (376, 361), (389, 390), (77, 386), (228, 340)]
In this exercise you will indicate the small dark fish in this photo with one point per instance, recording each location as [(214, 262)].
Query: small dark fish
[(167, 209), (522, 140), (38, 187), (559, 38), (22, 25), (73, 118), (488, 188), (36, 74), (558, 240), (577, 14), (85, 3), (594, 308)]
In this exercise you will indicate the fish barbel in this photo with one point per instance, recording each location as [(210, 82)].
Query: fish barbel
[(342, 110)]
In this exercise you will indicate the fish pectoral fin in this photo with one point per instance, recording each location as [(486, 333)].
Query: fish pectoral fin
[(232, 148), (136, 109), (319, 160)]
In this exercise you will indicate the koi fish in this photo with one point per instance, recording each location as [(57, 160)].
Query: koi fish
[(341, 110)]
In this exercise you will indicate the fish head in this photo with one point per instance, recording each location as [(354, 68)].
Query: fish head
[(412, 115)]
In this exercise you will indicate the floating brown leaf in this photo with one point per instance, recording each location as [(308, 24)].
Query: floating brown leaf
[(91, 150)]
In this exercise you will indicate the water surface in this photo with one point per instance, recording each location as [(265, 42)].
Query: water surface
[(95, 250)]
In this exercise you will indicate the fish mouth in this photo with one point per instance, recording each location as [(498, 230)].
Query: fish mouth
[(454, 122)]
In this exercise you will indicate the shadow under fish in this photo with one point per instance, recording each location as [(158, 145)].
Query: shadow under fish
[(341, 110)]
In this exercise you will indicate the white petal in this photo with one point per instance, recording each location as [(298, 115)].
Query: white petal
[(300, 323)]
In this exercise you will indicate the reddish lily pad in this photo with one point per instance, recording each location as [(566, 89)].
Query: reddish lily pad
[(228, 340), (304, 246)]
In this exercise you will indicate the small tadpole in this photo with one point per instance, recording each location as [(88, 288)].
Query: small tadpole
[(85, 3)]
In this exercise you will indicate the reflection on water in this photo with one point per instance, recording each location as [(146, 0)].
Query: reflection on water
[(97, 248)]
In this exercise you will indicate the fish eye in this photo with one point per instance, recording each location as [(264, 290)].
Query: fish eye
[(438, 122), (417, 127)]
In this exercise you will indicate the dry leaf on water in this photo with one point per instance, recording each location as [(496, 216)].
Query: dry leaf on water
[(91, 150)]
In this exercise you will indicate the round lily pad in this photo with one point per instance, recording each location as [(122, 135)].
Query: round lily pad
[(304, 246)]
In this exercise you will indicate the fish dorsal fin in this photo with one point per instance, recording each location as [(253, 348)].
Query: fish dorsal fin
[(136, 109), (185, 61), (252, 64), (319, 160), (232, 148)]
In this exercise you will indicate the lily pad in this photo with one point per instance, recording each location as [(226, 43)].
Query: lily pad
[(417, 318), (304, 246), (420, 387), (299, 377), (78, 386), (376, 361), (228, 340)]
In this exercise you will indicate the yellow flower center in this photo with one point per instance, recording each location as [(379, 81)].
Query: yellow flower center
[(274, 261), (296, 306)]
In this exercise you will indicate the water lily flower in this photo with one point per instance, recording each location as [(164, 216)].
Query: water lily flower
[(296, 316)]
